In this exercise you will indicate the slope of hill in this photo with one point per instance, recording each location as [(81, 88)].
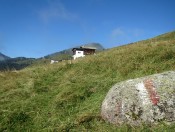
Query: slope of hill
[(68, 97), (66, 54), (3, 57)]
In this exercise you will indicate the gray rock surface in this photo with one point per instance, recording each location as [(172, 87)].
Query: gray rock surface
[(149, 99)]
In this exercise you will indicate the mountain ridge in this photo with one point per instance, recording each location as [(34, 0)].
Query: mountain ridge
[(3, 57)]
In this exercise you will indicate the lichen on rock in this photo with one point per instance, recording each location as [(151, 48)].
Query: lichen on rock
[(149, 99)]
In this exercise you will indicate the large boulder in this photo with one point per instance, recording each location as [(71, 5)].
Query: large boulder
[(149, 99)]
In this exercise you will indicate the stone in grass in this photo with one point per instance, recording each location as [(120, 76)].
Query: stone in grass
[(149, 99)]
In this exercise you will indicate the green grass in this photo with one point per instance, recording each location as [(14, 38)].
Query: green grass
[(68, 97)]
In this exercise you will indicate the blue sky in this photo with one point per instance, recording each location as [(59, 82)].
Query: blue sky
[(35, 28)]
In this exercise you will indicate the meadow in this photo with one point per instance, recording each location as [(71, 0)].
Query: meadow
[(68, 96)]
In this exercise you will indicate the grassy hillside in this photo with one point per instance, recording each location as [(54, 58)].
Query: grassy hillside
[(68, 97)]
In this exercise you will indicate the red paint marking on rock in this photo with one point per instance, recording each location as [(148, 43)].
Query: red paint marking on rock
[(154, 98), (149, 85)]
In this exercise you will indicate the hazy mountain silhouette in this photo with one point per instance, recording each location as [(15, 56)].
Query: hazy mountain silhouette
[(3, 57)]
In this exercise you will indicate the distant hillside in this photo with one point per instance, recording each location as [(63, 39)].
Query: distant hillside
[(3, 57), (66, 54), (15, 63), (19, 63), (68, 97)]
